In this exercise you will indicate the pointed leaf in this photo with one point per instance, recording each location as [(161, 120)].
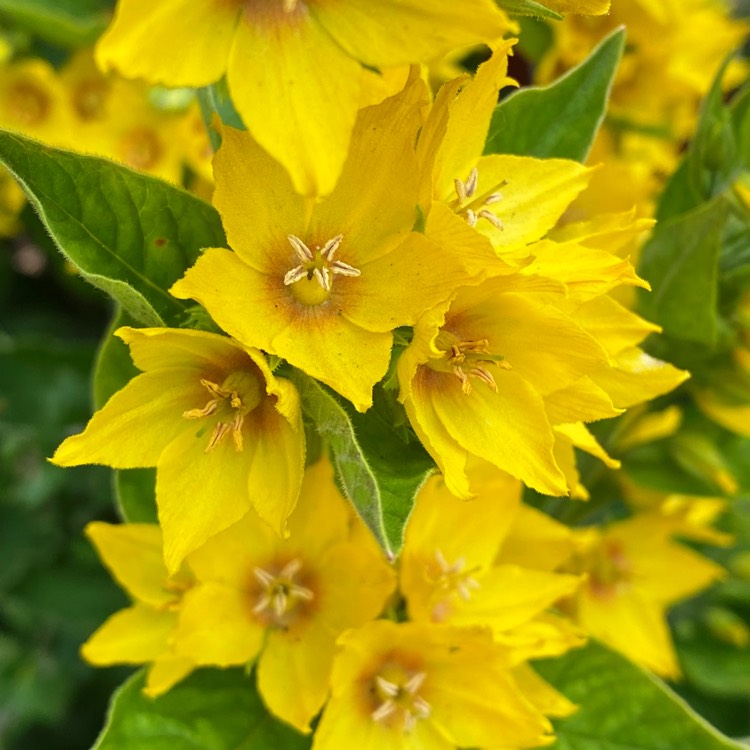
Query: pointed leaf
[(623, 707), (377, 472), (681, 262), (130, 234), (560, 120), (211, 710)]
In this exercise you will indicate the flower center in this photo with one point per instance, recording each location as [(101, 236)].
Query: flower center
[(449, 580), (28, 103), (281, 594), (475, 208), (396, 691), (231, 401), (466, 360), (311, 280), (610, 571), (141, 148), (88, 99)]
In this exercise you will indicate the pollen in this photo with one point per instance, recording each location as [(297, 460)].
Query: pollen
[(468, 360), (231, 402), (473, 207), (281, 594), (317, 266), (397, 694)]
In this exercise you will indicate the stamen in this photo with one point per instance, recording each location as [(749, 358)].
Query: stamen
[(291, 569), (471, 182), (471, 218), (344, 269), (276, 602), (323, 279), (493, 198), (330, 248), (422, 708), (494, 220), (263, 576), (300, 248), (484, 376), (220, 430), (415, 682), (389, 688), (290, 5), (384, 711), (297, 273)]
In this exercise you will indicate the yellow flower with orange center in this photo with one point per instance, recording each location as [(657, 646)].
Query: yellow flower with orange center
[(294, 67), (324, 284), (213, 419)]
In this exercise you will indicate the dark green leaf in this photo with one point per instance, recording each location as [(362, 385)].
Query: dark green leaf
[(114, 368), (560, 120), (71, 23), (623, 707), (211, 710), (130, 234), (681, 263), (372, 474), (135, 492), (529, 8)]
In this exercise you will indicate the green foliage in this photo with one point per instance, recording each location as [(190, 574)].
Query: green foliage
[(560, 120), (377, 470), (623, 706), (211, 710), (70, 23), (129, 234), (529, 8), (681, 263)]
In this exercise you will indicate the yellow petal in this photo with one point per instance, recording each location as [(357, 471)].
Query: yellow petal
[(583, 401), (535, 195), (160, 348), (133, 554), (734, 417), (200, 494), (132, 429), (409, 31), (166, 671), (298, 94), (508, 428), (175, 42), (581, 7), (293, 674), (258, 204), (548, 700), (135, 635), (536, 541), (580, 436), (217, 627)]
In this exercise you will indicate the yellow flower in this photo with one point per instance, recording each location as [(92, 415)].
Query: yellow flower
[(323, 285), (142, 633), (294, 67), (580, 7), (115, 118), (223, 432), (432, 687), (32, 102), (449, 572), (635, 573), (284, 601)]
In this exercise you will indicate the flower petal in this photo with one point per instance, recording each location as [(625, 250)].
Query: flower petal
[(217, 627), (131, 636), (133, 428), (298, 94), (175, 42)]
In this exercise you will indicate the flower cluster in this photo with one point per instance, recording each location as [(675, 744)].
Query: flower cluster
[(384, 278)]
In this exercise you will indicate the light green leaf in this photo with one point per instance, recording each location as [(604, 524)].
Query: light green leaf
[(130, 234), (623, 707), (681, 262), (560, 120), (211, 710), (377, 471), (70, 23), (529, 8)]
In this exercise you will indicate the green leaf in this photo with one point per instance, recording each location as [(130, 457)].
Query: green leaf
[(560, 120), (130, 234), (623, 707), (681, 262), (70, 23), (216, 100), (712, 162), (378, 473), (529, 8), (211, 710)]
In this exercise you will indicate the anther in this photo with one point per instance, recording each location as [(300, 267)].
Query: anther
[(489, 216), (299, 247)]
